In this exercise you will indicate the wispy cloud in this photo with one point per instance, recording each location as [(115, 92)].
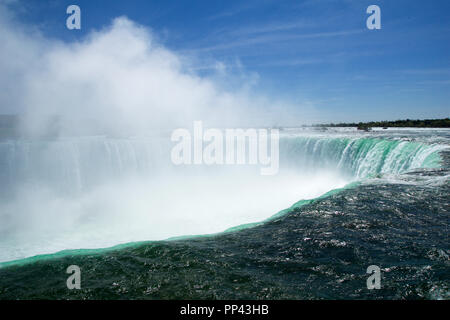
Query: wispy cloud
[(271, 27), (435, 82), (430, 71), (242, 7), (291, 62), (266, 39)]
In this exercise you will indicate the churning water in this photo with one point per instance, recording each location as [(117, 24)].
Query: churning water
[(98, 191)]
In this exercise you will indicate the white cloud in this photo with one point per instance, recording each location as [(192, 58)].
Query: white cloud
[(119, 80)]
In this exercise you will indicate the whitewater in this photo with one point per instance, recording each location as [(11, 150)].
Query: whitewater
[(100, 191)]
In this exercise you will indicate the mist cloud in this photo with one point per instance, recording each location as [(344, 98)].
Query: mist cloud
[(118, 80)]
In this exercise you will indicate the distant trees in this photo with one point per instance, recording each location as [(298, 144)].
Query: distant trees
[(426, 123)]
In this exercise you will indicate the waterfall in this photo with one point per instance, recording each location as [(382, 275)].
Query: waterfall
[(94, 192), (76, 164)]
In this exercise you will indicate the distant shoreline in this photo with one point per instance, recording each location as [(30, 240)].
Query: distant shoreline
[(9, 124), (408, 123)]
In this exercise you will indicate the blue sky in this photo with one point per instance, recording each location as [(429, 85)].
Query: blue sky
[(318, 51)]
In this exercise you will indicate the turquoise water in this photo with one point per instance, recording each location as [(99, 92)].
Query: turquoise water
[(392, 212)]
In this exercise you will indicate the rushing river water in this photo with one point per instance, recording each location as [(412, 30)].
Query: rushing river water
[(343, 200)]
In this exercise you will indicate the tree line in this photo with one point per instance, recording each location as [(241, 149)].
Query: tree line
[(425, 123)]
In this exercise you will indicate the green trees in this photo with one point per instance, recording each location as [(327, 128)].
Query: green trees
[(426, 123)]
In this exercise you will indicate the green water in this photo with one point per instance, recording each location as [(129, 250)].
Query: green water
[(316, 249)]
